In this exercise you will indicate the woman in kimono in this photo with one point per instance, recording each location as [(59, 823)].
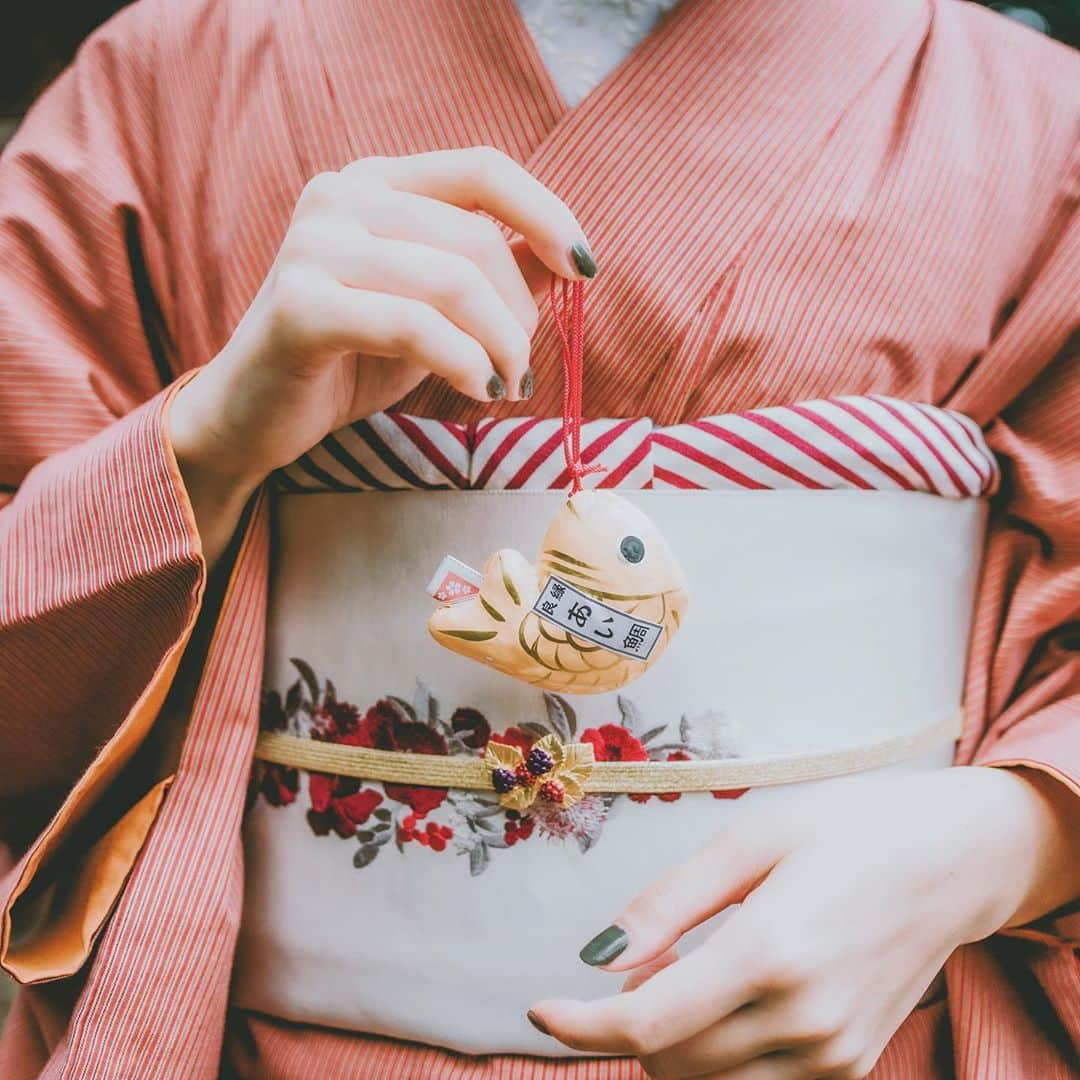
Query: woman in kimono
[(300, 206)]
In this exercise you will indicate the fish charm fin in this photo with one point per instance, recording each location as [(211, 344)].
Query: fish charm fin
[(484, 627)]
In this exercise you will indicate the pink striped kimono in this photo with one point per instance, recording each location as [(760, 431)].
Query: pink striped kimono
[(787, 202)]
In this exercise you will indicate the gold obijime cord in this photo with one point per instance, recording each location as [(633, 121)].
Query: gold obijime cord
[(607, 777)]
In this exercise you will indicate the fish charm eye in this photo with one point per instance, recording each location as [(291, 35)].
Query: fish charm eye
[(632, 549)]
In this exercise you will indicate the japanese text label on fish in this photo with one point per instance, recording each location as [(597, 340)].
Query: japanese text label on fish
[(586, 617)]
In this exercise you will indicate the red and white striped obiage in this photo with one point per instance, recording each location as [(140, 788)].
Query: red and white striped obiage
[(863, 442)]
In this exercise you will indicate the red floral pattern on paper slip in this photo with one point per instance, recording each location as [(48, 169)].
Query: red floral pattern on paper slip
[(468, 823)]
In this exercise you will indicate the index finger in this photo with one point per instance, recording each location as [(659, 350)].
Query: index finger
[(674, 1005), (483, 178), (719, 875)]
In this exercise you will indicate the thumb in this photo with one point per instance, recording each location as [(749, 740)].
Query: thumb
[(719, 875)]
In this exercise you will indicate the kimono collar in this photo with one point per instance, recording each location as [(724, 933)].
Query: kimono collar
[(673, 163), (414, 75)]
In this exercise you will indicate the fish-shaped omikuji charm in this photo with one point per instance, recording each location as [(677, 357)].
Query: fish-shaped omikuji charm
[(607, 594), (596, 611)]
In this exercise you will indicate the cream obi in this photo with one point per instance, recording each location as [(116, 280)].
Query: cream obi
[(831, 550)]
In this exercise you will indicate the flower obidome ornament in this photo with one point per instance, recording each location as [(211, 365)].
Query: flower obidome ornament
[(605, 598), (551, 771)]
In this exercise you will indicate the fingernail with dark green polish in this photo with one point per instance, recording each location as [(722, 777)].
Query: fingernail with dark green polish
[(537, 1023), (496, 388), (526, 388), (606, 946), (583, 259)]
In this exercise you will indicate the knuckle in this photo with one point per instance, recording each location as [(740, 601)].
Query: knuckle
[(413, 333), (784, 964), (364, 167), (304, 240), (485, 239), (487, 162), (456, 282), (644, 1034), (484, 243), (769, 959), (366, 178), (367, 204), (295, 305), (863, 1065), (320, 191), (424, 337), (817, 1019), (843, 1057), (290, 291)]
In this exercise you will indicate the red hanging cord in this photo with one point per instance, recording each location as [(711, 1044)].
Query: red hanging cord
[(571, 328)]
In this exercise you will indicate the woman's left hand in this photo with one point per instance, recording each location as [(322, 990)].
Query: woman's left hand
[(853, 894)]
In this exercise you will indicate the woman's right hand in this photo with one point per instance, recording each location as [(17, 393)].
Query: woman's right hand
[(385, 275)]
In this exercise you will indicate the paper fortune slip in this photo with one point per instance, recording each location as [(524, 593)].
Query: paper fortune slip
[(454, 581)]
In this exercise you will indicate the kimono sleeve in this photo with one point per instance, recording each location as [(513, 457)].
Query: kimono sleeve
[(1024, 675), (101, 570)]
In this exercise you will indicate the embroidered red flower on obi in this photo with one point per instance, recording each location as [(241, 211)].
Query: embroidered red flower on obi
[(471, 726), (386, 726), (335, 721), (278, 784), (340, 804), (537, 763), (514, 736), (612, 742), (517, 828)]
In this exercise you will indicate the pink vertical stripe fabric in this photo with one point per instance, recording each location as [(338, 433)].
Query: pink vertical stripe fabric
[(859, 198), (98, 536), (274, 1051), (200, 821)]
